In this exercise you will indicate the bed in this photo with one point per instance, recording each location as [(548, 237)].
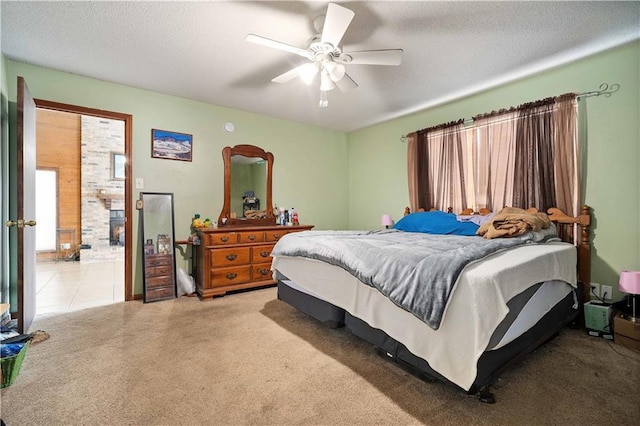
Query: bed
[(464, 324)]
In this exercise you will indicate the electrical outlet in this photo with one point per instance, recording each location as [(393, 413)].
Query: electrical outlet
[(595, 290), (606, 292)]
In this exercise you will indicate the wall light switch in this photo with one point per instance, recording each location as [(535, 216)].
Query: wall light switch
[(139, 183)]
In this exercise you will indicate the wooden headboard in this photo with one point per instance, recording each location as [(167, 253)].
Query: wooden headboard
[(566, 227)]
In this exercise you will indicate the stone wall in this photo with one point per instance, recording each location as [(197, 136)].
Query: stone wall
[(100, 139)]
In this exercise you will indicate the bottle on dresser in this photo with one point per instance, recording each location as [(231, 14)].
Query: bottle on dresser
[(290, 219)]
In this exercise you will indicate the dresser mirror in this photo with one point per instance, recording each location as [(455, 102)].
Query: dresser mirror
[(156, 222), (247, 187)]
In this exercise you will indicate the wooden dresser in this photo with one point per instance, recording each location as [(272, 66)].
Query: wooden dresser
[(159, 277), (236, 257)]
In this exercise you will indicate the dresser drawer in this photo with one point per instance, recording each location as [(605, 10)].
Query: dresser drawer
[(159, 281), (230, 257), (157, 260), (163, 270), (222, 238), (155, 271), (251, 237), (274, 234), (261, 272), (159, 293), (229, 276), (261, 254)]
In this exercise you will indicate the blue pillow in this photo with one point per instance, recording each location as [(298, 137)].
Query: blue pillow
[(435, 222)]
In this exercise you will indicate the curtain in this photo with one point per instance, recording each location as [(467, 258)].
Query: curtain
[(567, 155), (533, 176), (412, 170), (494, 158), (522, 157), (528, 156), (437, 167)]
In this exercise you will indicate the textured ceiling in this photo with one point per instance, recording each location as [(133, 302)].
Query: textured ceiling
[(196, 50)]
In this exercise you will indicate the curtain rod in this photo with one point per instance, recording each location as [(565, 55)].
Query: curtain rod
[(604, 90)]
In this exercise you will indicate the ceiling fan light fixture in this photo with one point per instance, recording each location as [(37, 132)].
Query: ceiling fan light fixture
[(326, 83), (308, 72), (336, 71)]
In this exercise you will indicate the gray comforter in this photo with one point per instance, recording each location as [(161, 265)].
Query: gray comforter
[(416, 271)]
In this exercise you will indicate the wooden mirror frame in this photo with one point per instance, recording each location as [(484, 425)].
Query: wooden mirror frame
[(247, 151)]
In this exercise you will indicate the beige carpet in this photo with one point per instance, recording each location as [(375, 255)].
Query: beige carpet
[(249, 358)]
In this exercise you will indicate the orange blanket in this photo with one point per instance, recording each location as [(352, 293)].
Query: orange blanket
[(512, 222)]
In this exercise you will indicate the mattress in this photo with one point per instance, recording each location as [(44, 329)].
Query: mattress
[(474, 314)]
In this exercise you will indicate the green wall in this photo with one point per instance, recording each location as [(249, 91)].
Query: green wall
[(377, 157), (198, 185)]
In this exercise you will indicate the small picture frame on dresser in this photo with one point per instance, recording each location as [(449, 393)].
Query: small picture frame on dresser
[(164, 244), (148, 247)]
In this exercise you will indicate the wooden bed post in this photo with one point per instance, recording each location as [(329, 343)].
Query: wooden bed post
[(584, 253), (583, 220)]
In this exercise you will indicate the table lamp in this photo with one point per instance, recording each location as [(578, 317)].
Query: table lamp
[(630, 283), (386, 220)]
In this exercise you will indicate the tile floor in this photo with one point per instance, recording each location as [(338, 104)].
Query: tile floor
[(71, 286)]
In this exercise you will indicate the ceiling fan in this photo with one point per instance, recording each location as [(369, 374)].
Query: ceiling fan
[(326, 56)]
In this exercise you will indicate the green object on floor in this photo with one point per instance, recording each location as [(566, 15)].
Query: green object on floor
[(11, 366)]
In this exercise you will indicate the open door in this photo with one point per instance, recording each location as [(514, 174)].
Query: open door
[(22, 224)]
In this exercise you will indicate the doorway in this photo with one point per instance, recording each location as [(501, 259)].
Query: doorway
[(81, 189)]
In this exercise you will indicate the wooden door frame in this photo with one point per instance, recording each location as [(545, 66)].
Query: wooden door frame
[(128, 225)]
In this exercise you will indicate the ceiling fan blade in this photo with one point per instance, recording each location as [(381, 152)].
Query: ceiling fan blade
[(346, 83), (287, 76), (306, 72), (252, 38), (336, 23), (372, 57)]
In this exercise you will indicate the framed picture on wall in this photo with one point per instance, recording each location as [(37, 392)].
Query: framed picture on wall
[(171, 145), (118, 161)]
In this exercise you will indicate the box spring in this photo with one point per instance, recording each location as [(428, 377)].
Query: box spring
[(490, 365), (321, 310)]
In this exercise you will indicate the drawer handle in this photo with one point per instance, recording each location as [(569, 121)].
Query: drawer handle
[(231, 275), (252, 237), (224, 239), (265, 253), (276, 236), (264, 271), (232, 256)]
